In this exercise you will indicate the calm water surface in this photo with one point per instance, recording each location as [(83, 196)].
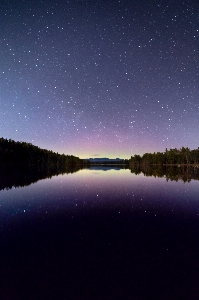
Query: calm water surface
[(100, 234)]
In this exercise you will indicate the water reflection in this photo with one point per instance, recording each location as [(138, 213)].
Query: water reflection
[(100, 234), (173, 173), (12, 176), (20, 176)]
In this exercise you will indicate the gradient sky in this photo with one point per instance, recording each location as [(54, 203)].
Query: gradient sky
[(100, 78)]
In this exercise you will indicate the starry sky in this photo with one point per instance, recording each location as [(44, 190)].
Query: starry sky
[(100, 78)]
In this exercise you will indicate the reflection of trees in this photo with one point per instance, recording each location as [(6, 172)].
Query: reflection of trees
[(18, 176), (173, 173)]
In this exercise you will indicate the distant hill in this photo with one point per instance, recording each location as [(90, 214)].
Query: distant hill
[(106, 160), (99, 159)]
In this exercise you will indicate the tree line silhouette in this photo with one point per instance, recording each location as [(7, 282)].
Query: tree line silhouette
[(169, 157), (22, 153)]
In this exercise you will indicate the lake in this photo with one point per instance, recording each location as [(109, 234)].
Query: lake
[(100, 233)]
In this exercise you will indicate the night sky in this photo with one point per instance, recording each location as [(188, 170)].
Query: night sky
[(100, 78)]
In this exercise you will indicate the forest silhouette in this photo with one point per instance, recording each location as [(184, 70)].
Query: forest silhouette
[(22, 153), (183, 156)]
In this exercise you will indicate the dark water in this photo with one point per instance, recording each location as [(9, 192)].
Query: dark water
[(100, 234)]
